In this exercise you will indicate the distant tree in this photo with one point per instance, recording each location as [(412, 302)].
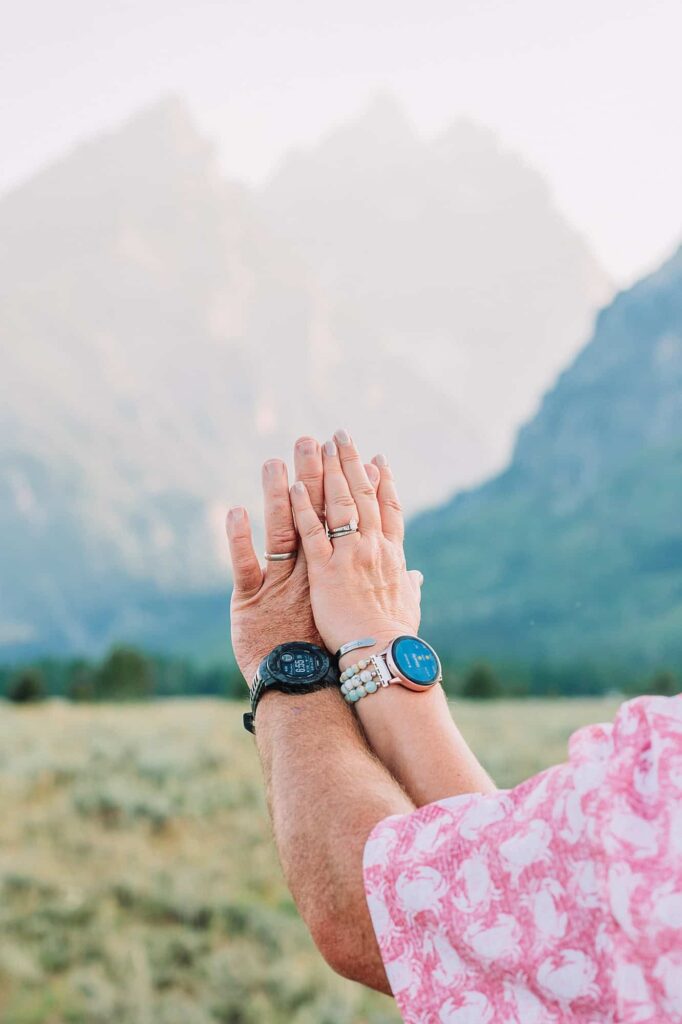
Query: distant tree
[(26, 686), (664, 683), (81, 682), (481, 683), (125, 674)]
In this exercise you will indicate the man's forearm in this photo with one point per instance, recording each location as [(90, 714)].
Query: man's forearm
[(326, 792)]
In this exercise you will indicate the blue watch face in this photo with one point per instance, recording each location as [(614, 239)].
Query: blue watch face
[(415, 660)]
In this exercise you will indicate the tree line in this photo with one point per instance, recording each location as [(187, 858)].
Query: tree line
[(126, 673)]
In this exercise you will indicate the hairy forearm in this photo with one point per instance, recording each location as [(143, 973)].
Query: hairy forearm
[(415, 737), (326, 792)]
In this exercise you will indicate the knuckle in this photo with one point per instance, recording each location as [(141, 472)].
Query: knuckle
[(311, 479), (280, 504), (366, 491), (242, 565), (343, 501), (313, 530), (239, 535), (392, 504), (282, 537)]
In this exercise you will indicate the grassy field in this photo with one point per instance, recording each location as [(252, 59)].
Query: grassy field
[(139, 881)]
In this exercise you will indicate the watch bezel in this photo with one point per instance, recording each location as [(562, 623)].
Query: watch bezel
[(277, 675), (399, 674)]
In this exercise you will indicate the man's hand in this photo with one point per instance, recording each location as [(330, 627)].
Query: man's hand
[(272, 607)]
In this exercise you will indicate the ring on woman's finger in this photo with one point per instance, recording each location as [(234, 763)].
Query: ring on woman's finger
[(343, 531), (283, 557)]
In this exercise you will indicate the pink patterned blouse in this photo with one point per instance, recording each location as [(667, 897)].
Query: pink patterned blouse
[(557, 901)]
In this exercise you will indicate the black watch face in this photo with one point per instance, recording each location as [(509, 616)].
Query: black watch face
[(298, 663), (416, 660)]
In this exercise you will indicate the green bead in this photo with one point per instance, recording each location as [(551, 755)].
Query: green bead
[(372, 686)]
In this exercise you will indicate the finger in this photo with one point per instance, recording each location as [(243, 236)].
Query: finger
[(417, 581), (392, 521), (340, 508), (373, 474), (280, 531), (316, 545), (308, 466), (246, 571), (361, 489)]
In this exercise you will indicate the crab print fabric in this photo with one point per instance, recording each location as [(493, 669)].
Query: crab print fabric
[(557, 901)]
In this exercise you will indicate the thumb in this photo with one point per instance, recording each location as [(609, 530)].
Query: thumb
[(416, 579), (246, 569)]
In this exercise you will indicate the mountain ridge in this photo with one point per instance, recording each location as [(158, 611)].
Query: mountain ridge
[(575, 550), (162, 335)]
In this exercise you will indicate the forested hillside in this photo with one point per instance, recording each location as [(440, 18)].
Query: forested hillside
[(574, 553)]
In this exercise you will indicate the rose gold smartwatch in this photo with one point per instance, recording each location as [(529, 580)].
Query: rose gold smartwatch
[(409, 661)]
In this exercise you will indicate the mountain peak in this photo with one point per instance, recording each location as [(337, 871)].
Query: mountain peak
[(164, 127), (386, 116)]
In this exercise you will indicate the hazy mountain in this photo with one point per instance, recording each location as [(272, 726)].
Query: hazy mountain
[(575, 551), (448, 251), (163, 331)]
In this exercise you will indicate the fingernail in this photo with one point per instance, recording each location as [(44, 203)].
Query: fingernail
[(306, 446), (236, 514), (373, 474), (272, 467), (299, 487), (329, 449), (381, 461), (342, 436)]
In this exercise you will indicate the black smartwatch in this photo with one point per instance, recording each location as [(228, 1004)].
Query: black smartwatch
[(292, 668)]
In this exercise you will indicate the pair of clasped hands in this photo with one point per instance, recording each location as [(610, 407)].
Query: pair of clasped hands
[(334, 591)]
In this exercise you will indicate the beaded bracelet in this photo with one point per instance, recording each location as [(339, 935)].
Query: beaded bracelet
[(358, 681)]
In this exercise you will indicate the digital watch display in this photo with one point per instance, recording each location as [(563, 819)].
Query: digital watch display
[(297, 664)]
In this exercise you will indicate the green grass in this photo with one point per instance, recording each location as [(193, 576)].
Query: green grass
[(139, 883)]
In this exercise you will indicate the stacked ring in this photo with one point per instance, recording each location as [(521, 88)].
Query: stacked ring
[(343, 531)]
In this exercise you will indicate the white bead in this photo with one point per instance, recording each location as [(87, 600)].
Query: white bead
[(361, 691), (363, 664), (365, 676)]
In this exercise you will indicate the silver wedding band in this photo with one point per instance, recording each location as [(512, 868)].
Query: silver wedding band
[(343, 531), (284, 557)]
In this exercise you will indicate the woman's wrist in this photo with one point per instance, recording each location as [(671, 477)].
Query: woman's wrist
[(381, 642)]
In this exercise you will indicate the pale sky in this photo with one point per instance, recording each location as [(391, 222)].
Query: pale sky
[(589, 91)]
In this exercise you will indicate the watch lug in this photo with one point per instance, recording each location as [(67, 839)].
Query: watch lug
[(383, 672)]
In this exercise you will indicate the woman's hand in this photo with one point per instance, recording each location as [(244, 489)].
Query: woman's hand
[(272, 607), (359, 585)]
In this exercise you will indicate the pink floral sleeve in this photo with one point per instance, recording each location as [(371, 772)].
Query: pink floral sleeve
[(560, 900)]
